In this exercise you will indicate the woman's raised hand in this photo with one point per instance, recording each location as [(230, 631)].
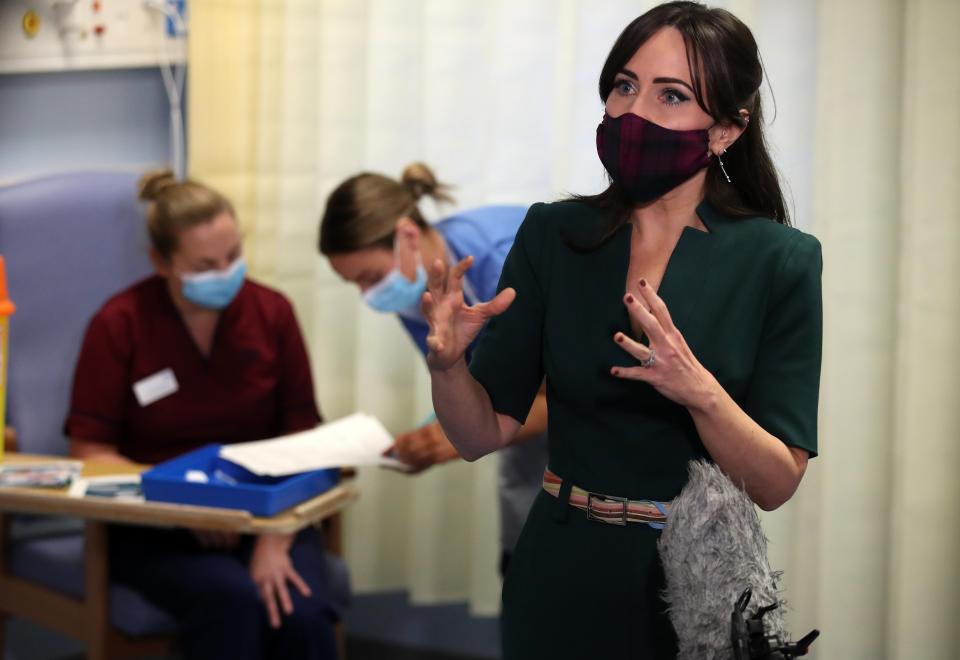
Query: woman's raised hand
[(667, 363), (453, 323)]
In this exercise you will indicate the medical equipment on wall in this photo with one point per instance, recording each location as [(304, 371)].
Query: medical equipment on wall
[(39, 36), (70, 35), (173, 79)]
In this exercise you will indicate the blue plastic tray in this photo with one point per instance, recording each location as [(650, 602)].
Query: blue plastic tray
[(230, 486)]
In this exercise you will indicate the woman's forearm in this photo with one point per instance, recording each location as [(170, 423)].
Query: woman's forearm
[(768, 469), (536, 423), (466, 414), (97, 451)]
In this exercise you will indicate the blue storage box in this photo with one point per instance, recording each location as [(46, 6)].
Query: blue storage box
[(230, 486)]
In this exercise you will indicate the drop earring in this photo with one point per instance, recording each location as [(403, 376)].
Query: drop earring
[(722, 168)]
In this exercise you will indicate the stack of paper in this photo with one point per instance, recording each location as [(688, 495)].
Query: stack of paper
[(355, 440)]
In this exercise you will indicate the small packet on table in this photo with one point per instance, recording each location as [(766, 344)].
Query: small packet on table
[(39, 475)]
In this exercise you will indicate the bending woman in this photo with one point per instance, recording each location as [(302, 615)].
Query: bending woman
[(374, 235), (675, 316)]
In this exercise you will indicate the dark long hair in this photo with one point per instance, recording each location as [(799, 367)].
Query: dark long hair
[(725, 65)]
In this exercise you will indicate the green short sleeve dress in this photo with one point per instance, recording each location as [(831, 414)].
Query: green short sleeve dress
[(746, 295)]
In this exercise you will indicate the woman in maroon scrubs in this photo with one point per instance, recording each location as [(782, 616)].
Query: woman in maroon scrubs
[(192, 355)]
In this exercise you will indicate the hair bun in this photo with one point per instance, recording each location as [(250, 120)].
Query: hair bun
[(420, 180), (154, 183)]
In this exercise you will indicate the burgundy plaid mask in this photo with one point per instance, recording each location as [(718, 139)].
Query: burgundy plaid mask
[(646, 159)]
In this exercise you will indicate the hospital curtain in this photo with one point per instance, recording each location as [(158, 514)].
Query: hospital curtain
[(870, 542), (886, 520), (289, 97)]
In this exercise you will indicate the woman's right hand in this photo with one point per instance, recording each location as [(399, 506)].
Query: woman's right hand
[(423, 448), (453, 323)]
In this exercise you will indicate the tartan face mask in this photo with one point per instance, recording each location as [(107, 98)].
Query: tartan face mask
[(648, 160)]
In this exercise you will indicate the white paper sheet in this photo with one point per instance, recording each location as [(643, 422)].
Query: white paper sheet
[(358, 439)]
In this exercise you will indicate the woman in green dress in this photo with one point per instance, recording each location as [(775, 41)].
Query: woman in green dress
[(675, 316)]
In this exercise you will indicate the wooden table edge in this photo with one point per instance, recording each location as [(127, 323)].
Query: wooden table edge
[(161, 514)]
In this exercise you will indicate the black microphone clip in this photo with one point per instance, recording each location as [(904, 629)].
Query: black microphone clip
[(750, 640)]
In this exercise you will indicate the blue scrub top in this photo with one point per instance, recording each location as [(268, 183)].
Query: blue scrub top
[(487, 234)]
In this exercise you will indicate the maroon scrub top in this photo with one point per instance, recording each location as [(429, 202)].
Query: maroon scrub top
[(255, 383)]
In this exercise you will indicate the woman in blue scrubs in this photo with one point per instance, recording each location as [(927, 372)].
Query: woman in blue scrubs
[(374, 236)]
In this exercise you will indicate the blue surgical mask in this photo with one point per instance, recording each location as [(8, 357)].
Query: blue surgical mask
[(214, 289), (395, 293)]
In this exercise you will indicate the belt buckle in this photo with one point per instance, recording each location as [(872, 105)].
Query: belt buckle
[(623, 501)]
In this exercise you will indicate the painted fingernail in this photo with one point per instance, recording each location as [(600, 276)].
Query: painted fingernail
[(619, 339), (630, 298), (643, 282), (615, 371)]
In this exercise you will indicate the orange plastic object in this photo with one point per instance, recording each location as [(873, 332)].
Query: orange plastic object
[(30, 24), (6, 305), (6, 309)]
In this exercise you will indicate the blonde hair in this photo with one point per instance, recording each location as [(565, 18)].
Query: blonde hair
[(362, 212), (177, 205)]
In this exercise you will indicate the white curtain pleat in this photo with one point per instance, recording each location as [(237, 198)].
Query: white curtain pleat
[(924, 532), (856, 202), (288, 97)]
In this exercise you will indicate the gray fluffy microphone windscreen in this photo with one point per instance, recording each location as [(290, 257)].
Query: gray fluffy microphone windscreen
[(712, 549)]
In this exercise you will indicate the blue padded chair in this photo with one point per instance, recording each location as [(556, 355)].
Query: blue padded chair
[(71, 241)]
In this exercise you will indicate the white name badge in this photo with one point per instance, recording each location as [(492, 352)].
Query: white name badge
[(155, 387)]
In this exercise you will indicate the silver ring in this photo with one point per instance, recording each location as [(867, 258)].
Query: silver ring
[(646, 364)]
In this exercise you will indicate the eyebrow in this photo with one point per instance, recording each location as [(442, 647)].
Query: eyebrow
[(657, 81)]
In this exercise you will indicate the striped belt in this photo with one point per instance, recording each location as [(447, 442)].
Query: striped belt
[(610, 509)]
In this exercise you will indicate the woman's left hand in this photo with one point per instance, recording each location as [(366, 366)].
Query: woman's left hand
[(270, 570), (672, 368)]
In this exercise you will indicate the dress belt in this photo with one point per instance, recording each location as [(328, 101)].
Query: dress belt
[(608, 508)]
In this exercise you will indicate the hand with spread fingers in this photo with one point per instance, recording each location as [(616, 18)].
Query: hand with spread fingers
[(453, 323), (667, 363), (272, 571)]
